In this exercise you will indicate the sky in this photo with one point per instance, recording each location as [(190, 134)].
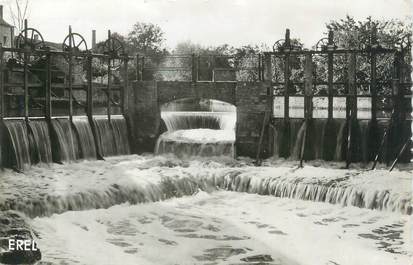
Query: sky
[(207, 22)]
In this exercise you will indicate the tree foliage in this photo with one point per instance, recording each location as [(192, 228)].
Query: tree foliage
[(145, 38), (352, 34)]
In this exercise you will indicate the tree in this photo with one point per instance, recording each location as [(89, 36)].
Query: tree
[(146, 38), (352, 34), (19, 12), (224, 62)]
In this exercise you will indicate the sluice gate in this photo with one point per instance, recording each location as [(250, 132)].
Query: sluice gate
[(65, 102), (329, 103), (61, 103)]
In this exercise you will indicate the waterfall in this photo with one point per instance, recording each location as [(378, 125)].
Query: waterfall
[(85, 136), (341, 139), (198, 133), (120, 133), (197, 142), (183, 120), (18, 134), (112, 136), (364, 141), (42, 147), (296, 132), (165, 182), (327, 138), (66, 140), (318, 135), (299, 138), (106, 140)]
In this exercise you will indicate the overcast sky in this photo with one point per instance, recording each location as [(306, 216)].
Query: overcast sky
[(208, 22)]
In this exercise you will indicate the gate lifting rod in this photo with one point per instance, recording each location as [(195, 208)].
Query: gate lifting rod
[(265, 122), (383, 140), (349, 139), (302, 150), (400, 154)]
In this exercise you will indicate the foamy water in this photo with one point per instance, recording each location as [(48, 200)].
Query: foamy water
[(225, 228), (137, 210), (198, 134)]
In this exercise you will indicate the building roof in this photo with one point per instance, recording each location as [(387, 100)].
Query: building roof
[(53, 45), (4, 23)]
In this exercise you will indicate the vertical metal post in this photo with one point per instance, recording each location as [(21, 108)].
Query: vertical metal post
[(308, 91), (193, 68), (352, 89), (263, 68), (268, 68), (125, 88), (48, 92), (109, 91), (373, 74), (351, 104), (26, 74), (287, 74), (137, 68), (308, 101), (89, 94), (2, 108), (396, 91), (89, 99), (330, 63), (268, 79), (213, 67), (198, 65), (70, 75), (142, 68)]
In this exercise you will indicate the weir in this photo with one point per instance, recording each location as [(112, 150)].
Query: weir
[(52, 111), (163, 181), (199, 132), (85, 137), (19, 155), (285, 111), (67, 144), (112, 135), (40, 142), (310, 118)]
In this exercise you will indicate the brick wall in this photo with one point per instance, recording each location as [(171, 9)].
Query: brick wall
[(144, 115), (146, 97), (251, 102)]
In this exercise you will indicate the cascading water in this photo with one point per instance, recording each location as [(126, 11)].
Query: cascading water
[(106, 141), (198, 127), (42, 146), (112, 136), (120, 133), (85, 136), (182, 120), (288, 137), (66, 140), (364, 126), (198, 134), (341, 134), (197, 142), (318, 135), (18, 134), (297, 139), (96, 184)]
